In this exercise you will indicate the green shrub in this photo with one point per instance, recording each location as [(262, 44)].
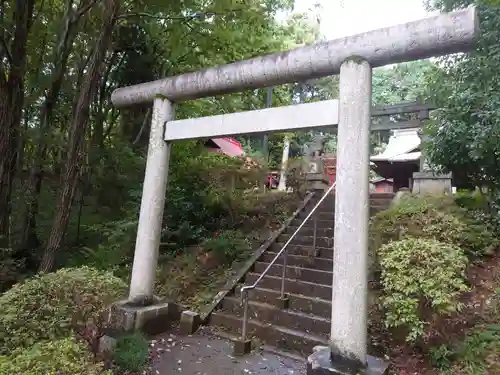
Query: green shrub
[(434, 218), (441, 356), (52, 305), (471, 200), (227, 246), (131, 352), (421, 279), (64, 356), (10, 269)]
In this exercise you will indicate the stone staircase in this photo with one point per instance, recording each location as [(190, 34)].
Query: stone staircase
[(306, 321)]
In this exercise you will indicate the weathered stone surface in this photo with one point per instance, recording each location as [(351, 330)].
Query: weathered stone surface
[(283, 302), (106, 344), (430, 183), (152, 205), (242, 347), (350, 255), (320, 363), (434, 36), (153, 319), (190, 321)]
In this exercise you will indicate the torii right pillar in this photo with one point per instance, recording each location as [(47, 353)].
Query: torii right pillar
[(347, 353)]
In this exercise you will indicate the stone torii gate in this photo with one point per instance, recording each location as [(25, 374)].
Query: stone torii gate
[(353, 57)]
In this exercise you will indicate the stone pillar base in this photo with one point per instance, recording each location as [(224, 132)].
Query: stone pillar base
[(152, 319), (320, 363), (430, 183)]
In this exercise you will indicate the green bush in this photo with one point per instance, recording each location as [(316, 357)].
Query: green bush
[(52, 305), (434, 218), (421, 279), (131, 352), (227, 246), (64, 356), (10, 269)]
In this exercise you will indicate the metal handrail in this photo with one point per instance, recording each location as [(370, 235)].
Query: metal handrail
[(244, 289)]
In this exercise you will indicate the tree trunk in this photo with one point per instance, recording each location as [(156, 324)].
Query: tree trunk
[(11, 106), (69, 178), (64, 46)]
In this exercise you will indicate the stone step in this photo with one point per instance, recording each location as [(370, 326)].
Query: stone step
[(304, 304), (309, 231), (307, 251), (277, 336), (292, 286), (269, 313), (330, 206), (324, 224), (297, 273), (300, 239), (330, 215), (377, 197), (323, 264)]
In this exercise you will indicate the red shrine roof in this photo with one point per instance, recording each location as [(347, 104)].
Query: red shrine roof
[(229, 146)]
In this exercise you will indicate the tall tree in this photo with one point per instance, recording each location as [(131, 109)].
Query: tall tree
[(466, 87), (78, 128), (13, 41), (58, 67)]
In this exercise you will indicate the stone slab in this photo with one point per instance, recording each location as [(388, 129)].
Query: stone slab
[(156, 318), (203, 353), (320, 363), (430, 183), (190, 321)]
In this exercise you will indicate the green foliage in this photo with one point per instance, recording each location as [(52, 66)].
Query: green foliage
[(50, 306), (441, 356), (477, 354), (434, 218), (400, 83), (10, 269), (465, 130), (227, 246), (421, 278), (64, 356), (131, 352)]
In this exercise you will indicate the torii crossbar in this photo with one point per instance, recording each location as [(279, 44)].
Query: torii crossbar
[(353, 57)]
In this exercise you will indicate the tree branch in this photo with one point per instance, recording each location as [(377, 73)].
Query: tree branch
[(86, 8), (198, 15)]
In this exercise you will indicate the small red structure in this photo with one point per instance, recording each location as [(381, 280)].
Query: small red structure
[(330, 167), (226, 145), (383, 185)]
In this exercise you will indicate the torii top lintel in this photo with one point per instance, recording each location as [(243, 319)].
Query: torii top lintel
[(435, 36)]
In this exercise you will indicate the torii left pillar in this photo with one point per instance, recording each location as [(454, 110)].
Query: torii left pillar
[(142, 310)]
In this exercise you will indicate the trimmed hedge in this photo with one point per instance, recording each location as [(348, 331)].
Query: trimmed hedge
[(421, 278), (64, 356), (51, 306)]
